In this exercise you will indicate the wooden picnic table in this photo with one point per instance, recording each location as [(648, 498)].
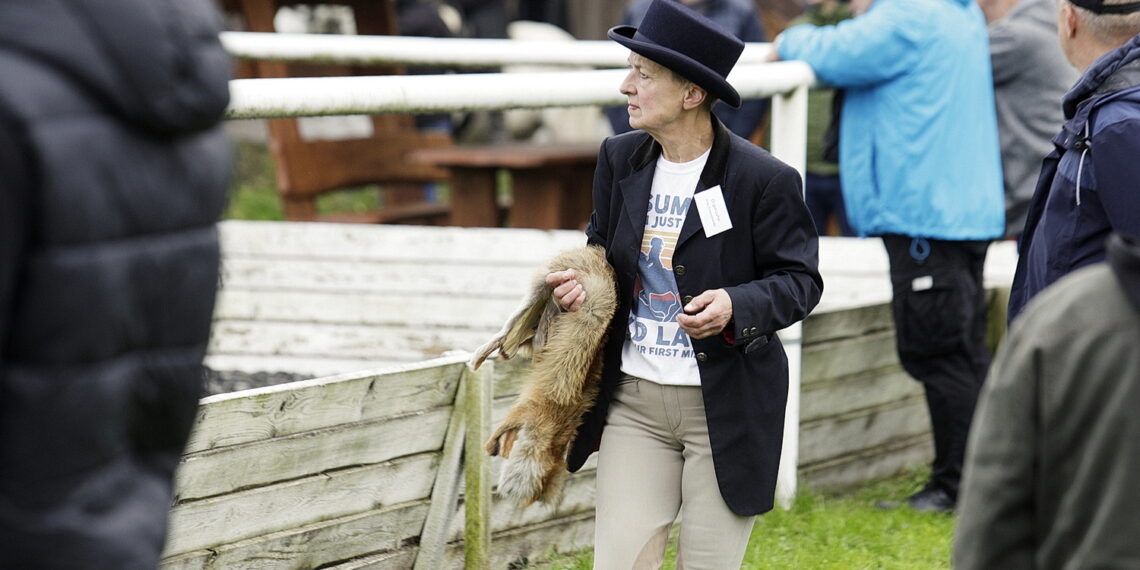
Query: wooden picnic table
[(550, 183)]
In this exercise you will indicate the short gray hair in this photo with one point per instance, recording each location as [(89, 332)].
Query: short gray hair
[(1111, 28)]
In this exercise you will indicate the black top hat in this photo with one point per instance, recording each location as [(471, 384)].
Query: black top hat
[(687, 43)]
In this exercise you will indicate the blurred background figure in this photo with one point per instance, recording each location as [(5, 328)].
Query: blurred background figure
[(823, 191), (482, 18), (921, 169), (738, 17), (114, 175), (1087, 186), (1051, 471), (1031, 75)]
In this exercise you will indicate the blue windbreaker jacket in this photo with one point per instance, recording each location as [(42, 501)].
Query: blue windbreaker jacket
[(918, 149), (1068, 221)]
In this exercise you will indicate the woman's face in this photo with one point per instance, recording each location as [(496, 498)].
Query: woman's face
[(654, 94)]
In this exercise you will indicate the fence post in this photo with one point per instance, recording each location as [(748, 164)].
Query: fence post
[(477, 504), (789, 144)]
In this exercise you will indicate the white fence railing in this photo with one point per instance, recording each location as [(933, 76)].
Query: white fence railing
[(451, 52), (785, 82)]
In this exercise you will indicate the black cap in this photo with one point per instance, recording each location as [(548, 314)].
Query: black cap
[(1099, 7)]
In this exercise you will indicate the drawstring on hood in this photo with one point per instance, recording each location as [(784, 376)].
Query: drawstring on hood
[(1084, 144)]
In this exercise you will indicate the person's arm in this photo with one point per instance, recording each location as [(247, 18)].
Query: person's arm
[(1113, 154), (995, 507), (14, 197), (872, 48), (1006, 46)]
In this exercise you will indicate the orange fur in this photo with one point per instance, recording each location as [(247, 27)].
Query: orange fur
[(563, 381)]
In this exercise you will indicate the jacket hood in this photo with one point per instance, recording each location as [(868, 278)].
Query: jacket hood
[(1116, 70), (158, 63)]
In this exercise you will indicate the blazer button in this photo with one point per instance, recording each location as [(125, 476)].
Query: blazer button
[(752, 330), (686, 299), (701, 357), (679, 270)]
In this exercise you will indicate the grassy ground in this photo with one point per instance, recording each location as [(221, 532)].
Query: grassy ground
[(825, 532)]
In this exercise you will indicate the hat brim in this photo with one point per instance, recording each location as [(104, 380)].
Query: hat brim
[(679, 63)]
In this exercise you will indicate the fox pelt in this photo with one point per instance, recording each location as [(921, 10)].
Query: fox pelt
[(562, 384)]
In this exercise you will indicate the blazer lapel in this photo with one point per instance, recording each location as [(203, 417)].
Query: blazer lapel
[(712, 175)]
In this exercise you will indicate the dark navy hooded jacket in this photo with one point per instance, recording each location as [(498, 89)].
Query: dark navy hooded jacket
[(1090, 184), (113, 173)]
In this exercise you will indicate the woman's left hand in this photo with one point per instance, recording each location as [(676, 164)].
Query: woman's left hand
[(707, 314)]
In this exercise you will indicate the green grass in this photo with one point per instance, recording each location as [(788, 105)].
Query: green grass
[(253, 188), (824, 532)]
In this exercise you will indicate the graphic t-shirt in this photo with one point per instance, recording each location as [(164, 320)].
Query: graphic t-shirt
[(656, 348)]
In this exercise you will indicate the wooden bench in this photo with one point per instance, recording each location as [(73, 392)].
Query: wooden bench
[(550, 183)]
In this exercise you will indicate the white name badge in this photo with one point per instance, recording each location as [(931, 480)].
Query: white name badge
[(714, 214)]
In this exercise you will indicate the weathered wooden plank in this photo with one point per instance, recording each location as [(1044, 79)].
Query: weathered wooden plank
[(875, 351), (314, 546), (227, 469), (478, 310), (846, 291), (869, 464), (392, 242), (274, 411), (578, 496), (820, 400), (517, 547), (445, 491), (853, 256), (828, 438), (396, 277), (309, 367), (398, 560), (824, 326), (338, 341), (198, 525)]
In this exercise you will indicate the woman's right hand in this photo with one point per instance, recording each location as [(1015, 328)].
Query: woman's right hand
[(568, 292)]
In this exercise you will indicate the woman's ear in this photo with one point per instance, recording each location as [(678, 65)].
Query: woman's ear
[(694, 96)]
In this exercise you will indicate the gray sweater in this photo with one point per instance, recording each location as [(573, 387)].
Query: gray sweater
[(1031, 75)]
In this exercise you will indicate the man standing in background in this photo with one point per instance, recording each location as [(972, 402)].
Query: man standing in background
[(1031, 75), (1088, 186), (920, 167), (114, 175)]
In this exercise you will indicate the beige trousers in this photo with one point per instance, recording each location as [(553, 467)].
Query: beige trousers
[(655, 462)]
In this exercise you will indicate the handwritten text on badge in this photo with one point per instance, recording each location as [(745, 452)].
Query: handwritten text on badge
[(714, 214)]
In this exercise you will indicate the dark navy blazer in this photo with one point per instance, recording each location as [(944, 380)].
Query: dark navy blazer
[(768, 264)]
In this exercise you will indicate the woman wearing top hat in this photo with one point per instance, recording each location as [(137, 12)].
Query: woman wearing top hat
[(714, 251)]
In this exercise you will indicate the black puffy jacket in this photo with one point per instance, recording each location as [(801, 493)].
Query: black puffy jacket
[(113, 172)]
